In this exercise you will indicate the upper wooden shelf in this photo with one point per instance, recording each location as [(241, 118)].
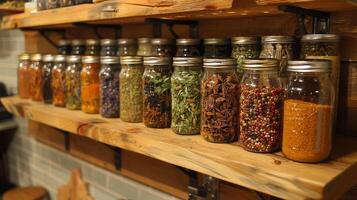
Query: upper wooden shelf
[(131, 11), (268, 173), (8, 10)]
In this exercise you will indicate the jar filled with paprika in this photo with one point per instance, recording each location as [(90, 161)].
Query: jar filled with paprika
[(58, 81), (23, 76), (90, 84), (36, 77)]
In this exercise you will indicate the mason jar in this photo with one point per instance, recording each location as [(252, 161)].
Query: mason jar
[(217, 48), (51, 4), (65, 3), (144, 47), (156, 92), (58, 81), (73, 82), (36, 77), (41, 5), (186, 97), (48, 61), (127, 47), (77, 2), (23, 76), (188, 47), (131, 89), (64, 47), (220, 95), (78, 47), (109, 47), (90, 84), (162, 47), (92, 47), (308, 111), (109, 86), (261, 103)]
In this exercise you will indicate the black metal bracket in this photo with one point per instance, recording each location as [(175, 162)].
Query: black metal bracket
[(117, 158), (321, 20), (67, 143), (96, 27), (157, 26)]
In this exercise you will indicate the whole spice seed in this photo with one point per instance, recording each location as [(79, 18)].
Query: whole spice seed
[(58, 84), (260, 117), (73, 84)]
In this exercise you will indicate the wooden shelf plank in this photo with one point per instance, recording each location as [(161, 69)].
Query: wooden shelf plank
[(268, 173), (8, 10)]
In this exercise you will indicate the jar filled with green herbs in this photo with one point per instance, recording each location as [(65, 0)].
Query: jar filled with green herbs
[(157, 94), (131, 89), (186, 97), (73, 82)]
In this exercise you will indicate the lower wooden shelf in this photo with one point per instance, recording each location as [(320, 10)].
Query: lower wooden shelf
[(269, 173)]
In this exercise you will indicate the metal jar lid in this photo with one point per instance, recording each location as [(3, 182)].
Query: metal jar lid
[(219, 63), (74, 59), (320, 38), (90, 59), (261, 64), (187, 61), (64, 42), (78, 42), (48, 58), (221, 41), (188, 41), (124, 41), (24, 56), (131, 60), (109, 60), (60, 58), (157, 61), (273, 39), (144, 40), (107, 42), (36, 57), (309, 66), (245, 40), (161, 41), (92, 42)]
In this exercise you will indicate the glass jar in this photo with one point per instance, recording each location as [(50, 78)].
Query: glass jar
[(244, 48), (64, 47), (58, 81), (109, 86), (82, 1), (48, 60), (217, 48), (127, 47), (188, 48), (219, 93), (144, 48), (92, 47), (90, 84), (23, 76), (162, 47), (65, 3), (41, 5), (73, 82), (131, 89), (36, 77), (308, 111), (157, 95), (78, 47), (186, 97), (109, 47), (278, 47), (261, 103), (51, 4)]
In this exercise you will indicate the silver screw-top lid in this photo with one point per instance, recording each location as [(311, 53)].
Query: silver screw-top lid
[(124, 41), (309, 66), (36, 57), (74, 59), (130, 60), (273, 39), (90, 59), (188, 41), (221, 41), (161, 41), (144, 40), (24, 56), (219, 63), (107, 42), (48, 58), (245, 40), (78, 42), (152, 61), (109, 60), (261, 64), (60, 58), (64, 42), (92, 42), (320, 38), (187, 61)]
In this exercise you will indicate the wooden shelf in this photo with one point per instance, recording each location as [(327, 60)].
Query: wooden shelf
[(132, 11), (268, 173), (8, 10)]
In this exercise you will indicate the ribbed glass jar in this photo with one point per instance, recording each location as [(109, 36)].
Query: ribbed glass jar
[(36, 77), (58, 81), (73, 82), (144, 47), (48, 62), (23, 76), (127, 47), (90, 84), (217, 48), (92, 47), (188, 47)]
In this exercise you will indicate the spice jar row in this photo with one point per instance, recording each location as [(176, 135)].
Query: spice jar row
[(51, 4)]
